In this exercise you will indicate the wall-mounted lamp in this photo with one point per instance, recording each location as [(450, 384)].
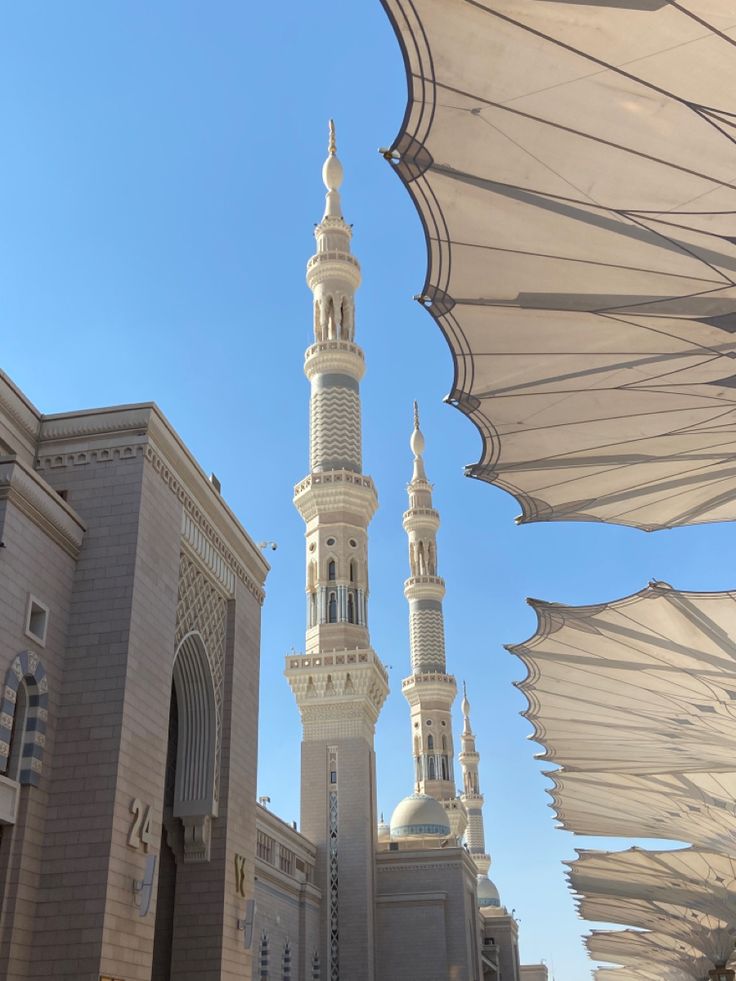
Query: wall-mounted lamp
[(246, 924), (143, 888)]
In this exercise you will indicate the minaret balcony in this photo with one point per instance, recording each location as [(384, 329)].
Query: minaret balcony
[(336, 490), (339, 694), (424, 587), (421, 518), (331, 265), (334, 357), (417, 688)]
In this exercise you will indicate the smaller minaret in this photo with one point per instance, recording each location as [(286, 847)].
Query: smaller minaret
[(429, 689), (471, 795)]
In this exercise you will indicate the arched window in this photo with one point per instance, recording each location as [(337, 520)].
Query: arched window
[(286, 963), (430, 743), (331, 570), (332, 608), (18, 732), (432, 769), (263, 968), (352, 571), (431, 560), (422, 567), (444, 768), (351, 608), (23, 726)]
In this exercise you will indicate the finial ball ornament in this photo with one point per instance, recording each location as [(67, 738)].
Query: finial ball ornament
[(332, 172), (417, 442)]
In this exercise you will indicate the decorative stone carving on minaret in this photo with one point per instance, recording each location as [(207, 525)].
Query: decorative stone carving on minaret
[(339, 683), (471, 795), (429, 690)]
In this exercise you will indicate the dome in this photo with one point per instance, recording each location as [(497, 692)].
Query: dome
[(418, 816), (487, 892), (384, 830)]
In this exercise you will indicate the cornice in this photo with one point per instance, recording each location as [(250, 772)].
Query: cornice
[(41, 504), (201, 520), (126, 431), (19, 416), (72, 426)]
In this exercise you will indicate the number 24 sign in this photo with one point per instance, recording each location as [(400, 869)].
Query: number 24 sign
[(140, 829)]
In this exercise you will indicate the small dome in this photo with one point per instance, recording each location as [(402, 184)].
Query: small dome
[(419, 816), (384, 830), (487, 892)]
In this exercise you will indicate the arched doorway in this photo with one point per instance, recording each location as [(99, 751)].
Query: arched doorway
[(189, 793)]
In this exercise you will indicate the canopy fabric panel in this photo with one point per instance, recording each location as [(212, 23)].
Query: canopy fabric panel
[(646, 684), (696, 808), (631, 948), (703, 881), (574, 168), (712, 937)]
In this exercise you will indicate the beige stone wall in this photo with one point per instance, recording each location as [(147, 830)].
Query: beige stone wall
[(31, 562), (287, 902), (357, 822), (500, 927), (426, 917)]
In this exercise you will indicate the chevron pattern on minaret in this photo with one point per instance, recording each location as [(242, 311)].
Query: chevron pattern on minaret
[(335, 429), (427, 641)]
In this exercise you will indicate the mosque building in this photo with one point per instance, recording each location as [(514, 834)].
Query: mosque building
[(131, 844)]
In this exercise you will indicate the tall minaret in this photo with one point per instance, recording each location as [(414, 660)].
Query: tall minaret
[(471, 796), (339, 683), (429, 690)]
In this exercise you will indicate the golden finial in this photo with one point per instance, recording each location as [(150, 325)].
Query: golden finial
[(332, 145)]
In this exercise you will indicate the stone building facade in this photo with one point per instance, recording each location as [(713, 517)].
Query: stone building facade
[(130, 610)]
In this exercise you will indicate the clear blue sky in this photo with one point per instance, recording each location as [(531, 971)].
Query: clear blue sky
[(159, 181)]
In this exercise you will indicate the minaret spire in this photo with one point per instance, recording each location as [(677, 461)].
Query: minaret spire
[(429, 690), (339, 683), (332, 176)]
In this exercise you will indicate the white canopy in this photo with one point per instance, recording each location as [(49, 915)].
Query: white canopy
[(574, 167), (692, 807), (690, 877), (646, 684), (712, 937), (631, 948)]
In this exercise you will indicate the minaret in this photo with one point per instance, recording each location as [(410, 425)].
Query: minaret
[(471, 796), (429, 690), (339, 683)]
